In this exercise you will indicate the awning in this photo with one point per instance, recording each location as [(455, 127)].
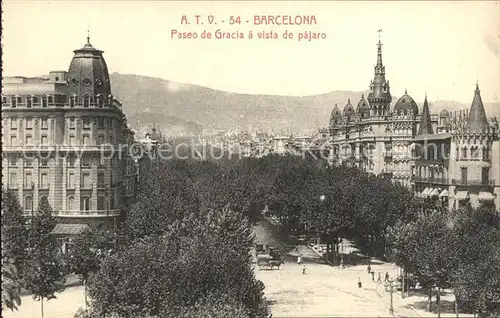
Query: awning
[(426, 192), (486, 196), (444, 194), (461, 195), (434, 193), (69, 229)]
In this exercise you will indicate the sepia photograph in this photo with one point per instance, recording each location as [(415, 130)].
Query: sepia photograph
[(250, 159)]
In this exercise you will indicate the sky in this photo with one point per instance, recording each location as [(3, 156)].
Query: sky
[(438, 48)]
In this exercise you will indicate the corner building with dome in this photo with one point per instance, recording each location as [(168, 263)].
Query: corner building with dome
[(63, 139), (450, 158)]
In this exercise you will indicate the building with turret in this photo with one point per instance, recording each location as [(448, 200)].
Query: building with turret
[(459, 164), (63, 139), (452, 159), (375, 136)]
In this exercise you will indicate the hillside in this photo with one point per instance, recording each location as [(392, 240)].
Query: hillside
[(177, 107)]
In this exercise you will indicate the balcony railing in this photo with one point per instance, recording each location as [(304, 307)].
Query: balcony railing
[(473, 182), (430, 180), (88, 213)]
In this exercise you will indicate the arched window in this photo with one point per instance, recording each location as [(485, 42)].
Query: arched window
[(29, 101), (44, 101), (85, 204), (86, 101), (13, 102), (474, 152), (464, 152), (70, 206), (72, 101)]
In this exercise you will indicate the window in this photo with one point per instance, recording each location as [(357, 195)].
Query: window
[(86, 140), (464, 153), (35, 100), (72, 101), (44, 141), (44, 101), (13, 102), (28, 162), (474, 152), (486, 153), (86, 161), (485, 175), (29, 123), (70, 205), (13, 141), (29, 140), (51, 100), (13, 180), (100, 101), (100, 140), (19, 100), (71, 160), (44, 180), (86, 122), (71, 180), (28, 203), (28, 180), (100, 179), (13, 161), (45, 123), (29, 101), (72, 123), (111, 200), (71, 140), (101, 205), (100, 123), (463, 171), (86, 180), (85, 204), (13, 123), (86, 101)]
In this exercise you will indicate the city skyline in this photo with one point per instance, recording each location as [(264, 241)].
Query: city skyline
[(443, 58)]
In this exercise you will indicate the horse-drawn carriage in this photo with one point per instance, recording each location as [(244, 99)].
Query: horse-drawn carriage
[(270, 261)]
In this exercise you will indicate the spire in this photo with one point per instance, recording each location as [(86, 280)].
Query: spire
[(88, 36), (425, 120), (379, 50), (379, 88), (477, 121), (406, 91)]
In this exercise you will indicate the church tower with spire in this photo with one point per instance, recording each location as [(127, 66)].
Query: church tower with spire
[(379, 97)]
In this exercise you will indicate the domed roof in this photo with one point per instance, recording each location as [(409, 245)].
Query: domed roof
[(349, 109), (88, 72), (363, 108), (406, 103), (336, 116), (444, 114)]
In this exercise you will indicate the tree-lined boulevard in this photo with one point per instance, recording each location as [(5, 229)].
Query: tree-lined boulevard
[(185, 248)]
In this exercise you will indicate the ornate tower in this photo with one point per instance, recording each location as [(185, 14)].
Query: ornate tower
[(88, 74), (425, 122), (379, 97)]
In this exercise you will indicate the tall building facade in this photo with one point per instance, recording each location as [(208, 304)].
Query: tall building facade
[(459, 164), (63, 138), (375, 136)]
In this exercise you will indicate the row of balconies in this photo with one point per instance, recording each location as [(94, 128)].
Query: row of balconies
[(430, 180), (461, 182)]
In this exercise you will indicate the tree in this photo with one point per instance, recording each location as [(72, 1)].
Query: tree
[(44, 276), (205, 253), (84, 258), (11, 286), (14, 235)]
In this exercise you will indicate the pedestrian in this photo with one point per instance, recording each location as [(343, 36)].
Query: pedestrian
[(373, 276), (379, 279), (303, 269), (369, 268), (299, 260), (386, 276), (359, 282)]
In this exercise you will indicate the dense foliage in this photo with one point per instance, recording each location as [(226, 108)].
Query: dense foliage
[(11, 286), (14, 236)]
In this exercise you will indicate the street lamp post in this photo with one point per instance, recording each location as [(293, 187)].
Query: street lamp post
[(391, 291), (32, 214)]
